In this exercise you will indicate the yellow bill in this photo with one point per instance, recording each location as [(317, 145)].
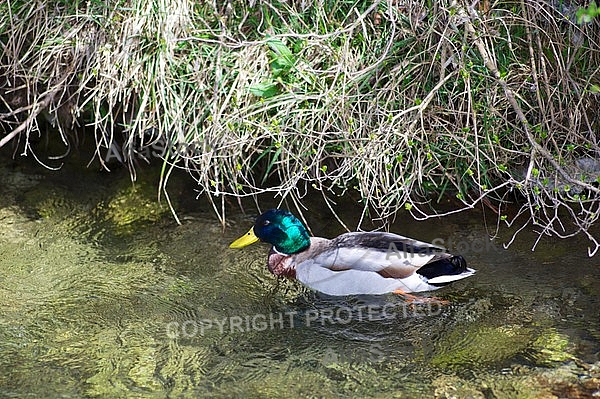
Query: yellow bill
[(245, 240)]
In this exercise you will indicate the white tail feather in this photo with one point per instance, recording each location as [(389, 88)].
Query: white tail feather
[(452, 277)]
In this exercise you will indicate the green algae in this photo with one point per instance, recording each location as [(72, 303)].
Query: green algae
[(123, 204), (49, 202), (551, 347), (133, 204), (480, 345)]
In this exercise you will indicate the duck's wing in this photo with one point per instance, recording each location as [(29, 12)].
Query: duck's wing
[(390, 255)]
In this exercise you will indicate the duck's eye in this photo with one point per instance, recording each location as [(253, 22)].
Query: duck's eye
[(266, 223)]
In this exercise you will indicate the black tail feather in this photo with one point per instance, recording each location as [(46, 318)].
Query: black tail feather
[(444, 267)]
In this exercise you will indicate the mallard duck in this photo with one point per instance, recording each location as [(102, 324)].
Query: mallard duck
[(371, 263)]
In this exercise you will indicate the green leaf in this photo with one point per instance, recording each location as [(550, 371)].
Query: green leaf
[(585, 16), (279, 48), (284, 58), (271, 164), (265, 89)]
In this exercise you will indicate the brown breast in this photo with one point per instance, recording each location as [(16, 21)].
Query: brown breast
[(279, 265)]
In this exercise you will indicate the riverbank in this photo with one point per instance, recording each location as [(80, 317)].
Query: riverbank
[(396, 105)]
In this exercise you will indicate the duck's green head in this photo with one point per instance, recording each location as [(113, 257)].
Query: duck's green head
[(279, 228)]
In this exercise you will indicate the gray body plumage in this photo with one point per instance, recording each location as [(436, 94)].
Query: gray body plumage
[(369, 263)]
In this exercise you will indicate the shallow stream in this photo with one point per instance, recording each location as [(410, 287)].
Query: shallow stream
[(102, 294)]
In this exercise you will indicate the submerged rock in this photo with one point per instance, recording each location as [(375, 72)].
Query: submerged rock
[(568, 381), (135, 203), (481, 345), (132, 204), (551, 347)]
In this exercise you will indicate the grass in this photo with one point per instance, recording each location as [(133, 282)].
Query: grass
[(403, 104)]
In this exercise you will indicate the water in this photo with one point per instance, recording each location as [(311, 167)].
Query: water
[(104, 295)]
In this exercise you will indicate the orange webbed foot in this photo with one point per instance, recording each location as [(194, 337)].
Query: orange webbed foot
[(417, 299)]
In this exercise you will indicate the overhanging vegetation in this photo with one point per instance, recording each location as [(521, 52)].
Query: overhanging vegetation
[(401, 102)]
